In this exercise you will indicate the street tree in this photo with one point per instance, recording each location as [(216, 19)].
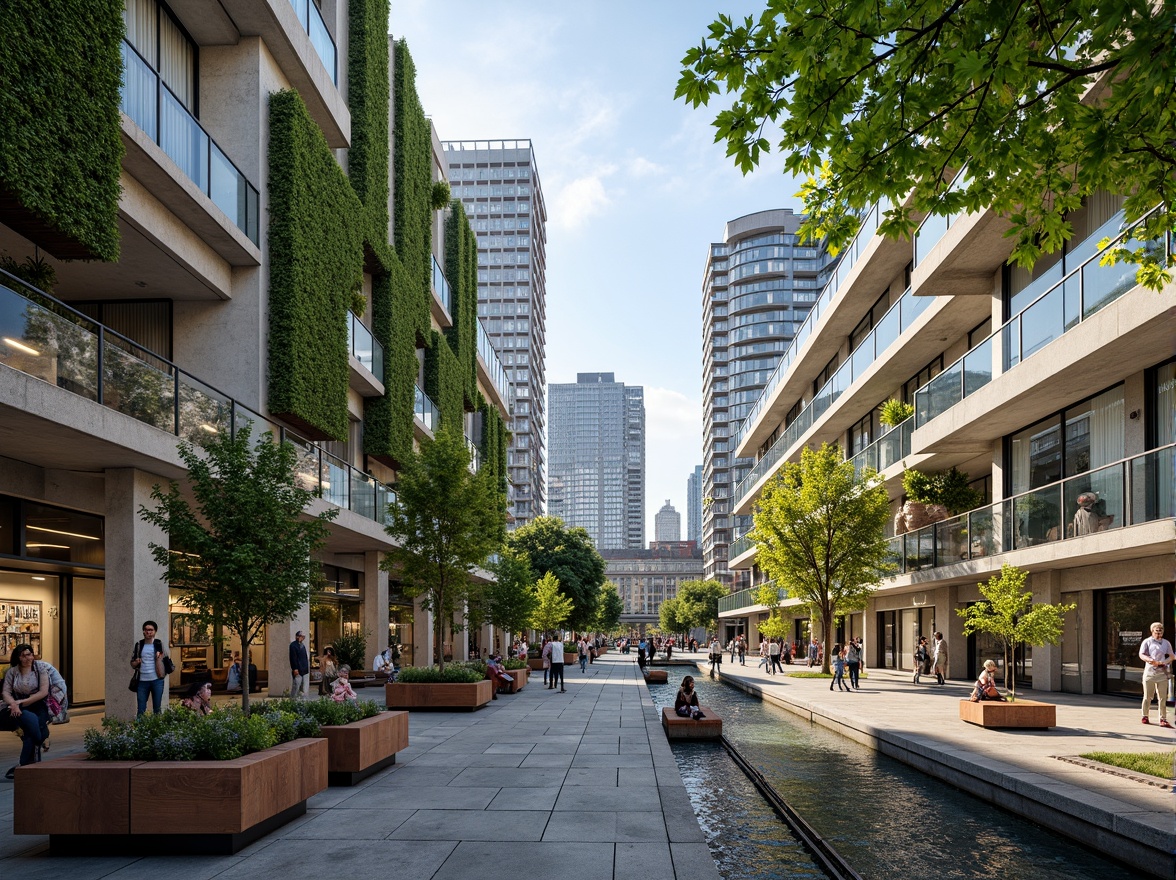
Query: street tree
[(609, 608), (776, 626), (871, 100), (241, 550), (509, 602), (570, 555), (552, 607), (669, 617), (699, 602), (446, 521), (1009, 615), (818, 530)]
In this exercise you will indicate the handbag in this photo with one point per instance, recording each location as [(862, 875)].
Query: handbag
[(168, 666), (991, 692), (133, 687)]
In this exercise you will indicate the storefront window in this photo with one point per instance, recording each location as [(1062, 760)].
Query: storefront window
[(63, 535), (1127, 616)]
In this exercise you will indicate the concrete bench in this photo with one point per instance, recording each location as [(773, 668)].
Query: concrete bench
[(1022, 713), (676, 727)]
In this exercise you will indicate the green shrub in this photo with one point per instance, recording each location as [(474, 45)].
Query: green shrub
[(325, 711), (455, 673), (511, 663), (895, 412), (180, 735), (351, 649), (949, 488)]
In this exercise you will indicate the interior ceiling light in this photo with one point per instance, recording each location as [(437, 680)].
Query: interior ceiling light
[(20, 346), (38, 578), (60, 532), (47, 546)]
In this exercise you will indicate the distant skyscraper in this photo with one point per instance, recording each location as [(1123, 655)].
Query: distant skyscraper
[(667, 524), (498, 183), (596, 438), (757, 289), (694, 506)]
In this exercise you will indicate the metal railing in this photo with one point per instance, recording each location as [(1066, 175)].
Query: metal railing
[(847, 260), (493, 364), (475, 455), (312, 23), (45, 338), (425, 410), (745, 598), (739, 546), (153, 107), (364, 347), (891, 448), (1135, 490), (1076, 297), (441, 287)]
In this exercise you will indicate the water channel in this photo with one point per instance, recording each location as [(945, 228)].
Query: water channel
[(886, 819)]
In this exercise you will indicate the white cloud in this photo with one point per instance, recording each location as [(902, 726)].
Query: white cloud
[(575, 203), (641, 167)]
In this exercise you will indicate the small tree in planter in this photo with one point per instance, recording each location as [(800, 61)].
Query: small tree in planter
[(552, 607), (509, 602), (895, 412), (609, 609), (1009, 616), (243, 552)]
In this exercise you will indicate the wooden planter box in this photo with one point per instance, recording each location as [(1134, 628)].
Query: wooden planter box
[(355, 751), (520, 676), (164, 807), (535, 664), (656, 676), (1023, 713), (441, 695), (676, 727), (569, 659)]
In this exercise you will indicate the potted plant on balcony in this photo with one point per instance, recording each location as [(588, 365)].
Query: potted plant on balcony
[(933, 497), (1008, 614), (894, 412)]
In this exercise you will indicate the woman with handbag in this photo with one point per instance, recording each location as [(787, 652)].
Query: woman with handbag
[(150, 664), (26, 685), (986, 684)]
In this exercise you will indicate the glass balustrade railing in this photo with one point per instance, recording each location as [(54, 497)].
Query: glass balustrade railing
[(441, 287), (475, 456), (871, 219), (493, 364), (739, 546), (898, 319), (935, 226), (364, 347), (1080, 294), (891, 448), (313, 25), (745, 598), (1136, 490), (425, 410), (158, 112), (45, 338)]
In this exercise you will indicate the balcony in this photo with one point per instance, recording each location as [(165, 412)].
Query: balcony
[(493, 366), (889, 449), (313, 25), (153, 107), (475, 455), (934, 227), (425, 411), (442, 293), (1086, 290), (744, 599), (46, 339), (366, 349), (1127, 493)]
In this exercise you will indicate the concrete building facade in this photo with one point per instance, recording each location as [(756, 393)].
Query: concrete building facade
[(498, 183), (758, 285), (1053, 390), (647, 577), (667, 524), (597, 467)]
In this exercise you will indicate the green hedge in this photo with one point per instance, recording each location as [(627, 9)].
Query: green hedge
[(412, 183), (461, 268), (316, 262), (443, 383), (367, 99), (455, 673), (60, 141), (325, 710)]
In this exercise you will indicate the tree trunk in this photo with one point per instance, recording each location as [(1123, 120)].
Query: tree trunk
[(827, 640)]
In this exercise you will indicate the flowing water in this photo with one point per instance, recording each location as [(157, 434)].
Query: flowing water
[(886, 819)]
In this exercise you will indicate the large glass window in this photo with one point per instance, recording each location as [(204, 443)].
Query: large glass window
[(1081, 438), (1127, 615)]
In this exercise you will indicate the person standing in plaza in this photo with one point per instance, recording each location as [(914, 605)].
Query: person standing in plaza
[(557, 664), (1156, 654), (922, 658), (299, 666), (582, 651), (774, 655), (853, 660), (814, 652), (765, 659), (838, 661), (742, 651), (716, 655), (940, 661), (545, 655), (147, 658)]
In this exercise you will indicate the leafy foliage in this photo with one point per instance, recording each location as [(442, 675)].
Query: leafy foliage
[(461, 270), (669, 616), (819, 532), (509, 602), (182, 735), (1045, 103), (61, 141), (316, 262), (569, 555), (1009, 615), (609, 608), (895, 412), (552, 607), (775, 627), (699, 601), (325, 711), (445, 521), (351, 649), (440, 195), (949, 488), (243, 551), (367, 100), (454, 673)]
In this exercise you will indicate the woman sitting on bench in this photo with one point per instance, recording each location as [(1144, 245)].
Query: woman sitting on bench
[(986, 684), (686, 703)]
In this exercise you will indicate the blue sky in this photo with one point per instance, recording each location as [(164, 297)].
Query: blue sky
[(636, 188)]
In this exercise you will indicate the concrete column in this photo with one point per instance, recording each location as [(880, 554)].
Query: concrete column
[(134, 590), (1046, 587), (422, 634), (375, 604), (949, 623)]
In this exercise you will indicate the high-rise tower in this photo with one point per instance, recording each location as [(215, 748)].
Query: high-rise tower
[(694, 506), (667, 524)]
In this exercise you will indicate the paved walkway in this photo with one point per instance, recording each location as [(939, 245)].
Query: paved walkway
[(539, 784), (1019, 770)]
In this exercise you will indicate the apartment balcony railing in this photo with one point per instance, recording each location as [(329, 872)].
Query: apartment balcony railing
[(364, 347), (935, 226), (158, 112), (312, 22), (870, 222), (891, 448), (1129, 492), (441, 287), (897, 320), (45, 338), (425, 410), (744, 598), (475, 456), (493, 364), (739, 546), (1075, 298)]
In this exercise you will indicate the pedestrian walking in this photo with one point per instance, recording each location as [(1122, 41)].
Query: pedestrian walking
[(1156, 654), (731, 646), (774, 655), (922, 658), (765, 660), (838, 661), (716, 656), (940, 660), (742, 651), (814, 652), (557, 665), (545, 655), (582, 650), (853, 660)]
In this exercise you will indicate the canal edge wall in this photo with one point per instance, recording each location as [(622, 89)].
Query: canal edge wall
[(1094, 820)]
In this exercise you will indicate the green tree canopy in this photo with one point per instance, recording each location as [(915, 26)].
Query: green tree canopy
[(818, 529), (552, 607), (699, 603), (446, 521), (775, 627), (1044, 103), (609, 608), (243, 551), (509, 602), (669, 616), (1009, 615), (570, 555)]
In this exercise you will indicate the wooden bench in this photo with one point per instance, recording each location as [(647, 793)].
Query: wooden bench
[(1022, 713), (679, 728)]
